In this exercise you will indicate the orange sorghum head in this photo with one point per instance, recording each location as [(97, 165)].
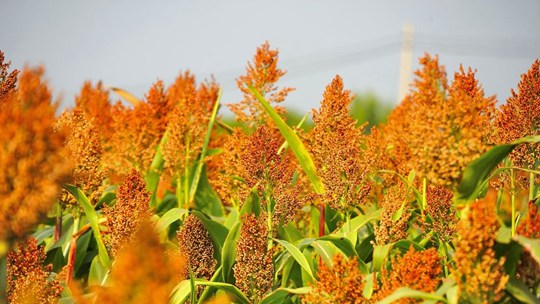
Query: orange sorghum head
[(388, 230), (419, 270), (8, 80), (530, 226), (337, 148), (479, 274), (263, 75), (188, 122), (340, 283), (231, 190), (94, 102), (271, 172), (254, 269), (442, 214), (28, 280), (32, 165), (196, 245), (520, 117), (443, 127), (129, 212), (137, 132), (84, 150), (143, 272)]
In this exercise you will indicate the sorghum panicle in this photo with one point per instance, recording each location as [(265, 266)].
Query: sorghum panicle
[(143, 272), (479, 273), (84, 150), (340, 283), (419, 270), (32, 163), (28, 280), (520, 117), (129, 212), (196, 245), (263, 75), (337, 148), (254, 269)]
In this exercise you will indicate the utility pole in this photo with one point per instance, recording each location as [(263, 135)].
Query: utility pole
[(406, 60)]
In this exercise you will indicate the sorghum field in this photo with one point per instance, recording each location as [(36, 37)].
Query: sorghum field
[(158, 200)]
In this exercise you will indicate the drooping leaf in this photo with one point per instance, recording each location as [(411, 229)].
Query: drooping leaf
[(127, 96), (92, 217), (294, 142), (297, 256), (279, 295), (168, 218), (531, 245), (520, 291), (231, 289), (405, 293), (477, 172)]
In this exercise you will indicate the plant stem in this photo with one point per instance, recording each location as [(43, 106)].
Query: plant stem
[(321, 220), (58, 226)]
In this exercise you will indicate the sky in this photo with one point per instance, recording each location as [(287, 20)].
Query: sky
[(131, 44)]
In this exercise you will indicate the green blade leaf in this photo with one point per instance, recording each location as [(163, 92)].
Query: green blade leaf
[(92, 217), (531, 245), (198, 170), (477, 172), (218, 233), (294, 142), (226, 287), (228, 253), (154, 172), (405, 293), (279, 295), (168, 218), (298, 256), (520, 291)]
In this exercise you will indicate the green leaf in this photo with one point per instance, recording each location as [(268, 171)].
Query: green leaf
[(92, 217), (520, 291), (399, 212), (218, 233), (379, 255), (452, 294), (168, 218), (208, 291), (226, 287), (206, 199), (298, 256), (82, 245), (228, 255), (531, 245), (294, 142), (279, 295), (477, 172), (341, 243), (198, 170), (98, 273), (360, 221), (406, 293), (154, 172), (504, 235), (180, 293)]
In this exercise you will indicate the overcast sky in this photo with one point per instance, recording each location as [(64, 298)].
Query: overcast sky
[(130, 44)]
